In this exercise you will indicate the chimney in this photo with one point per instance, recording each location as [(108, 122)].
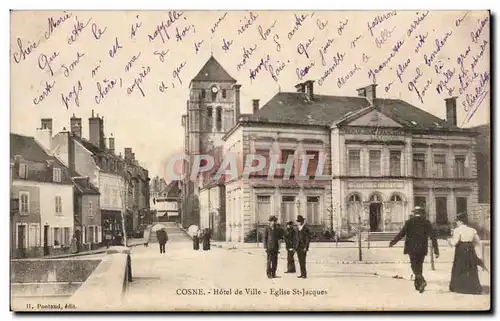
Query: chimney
[(369, 92), (301, 88), (44, 134), (96, 130), (237, 110), (76, 126), (46, 123), (309, 86), (451, 111), (255, 105), (111, 144)]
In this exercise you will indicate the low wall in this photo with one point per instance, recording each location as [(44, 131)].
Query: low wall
[(51, 270), (75, 284), (105, 287)]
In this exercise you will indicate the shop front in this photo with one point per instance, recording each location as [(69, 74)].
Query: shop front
[(112, 226)]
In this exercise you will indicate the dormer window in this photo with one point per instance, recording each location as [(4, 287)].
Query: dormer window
[(56, 174), (23, 171)]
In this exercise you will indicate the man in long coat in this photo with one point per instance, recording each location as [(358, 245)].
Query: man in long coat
[(290, 237), (272, 235), (162, 237), (417, 231), (302, 245)]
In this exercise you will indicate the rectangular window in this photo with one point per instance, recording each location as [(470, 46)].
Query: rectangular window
[(287, 155), (67, 236), (313, 210), (420, 201), (58, 203), (461, 205), (23, 171), (441, 211), (203, 93), (375, 162), (460, 166), (114, 200), (263, 208), (354, 162), (439, 165), (34, 235), (224, 93), (56, 174), (90, 234), (24, 203), (57, 236), (419, 165), (90, 213), (287, 209), (264, 153), (395, 163), (313, 159)]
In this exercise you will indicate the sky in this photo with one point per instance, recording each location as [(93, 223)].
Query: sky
[(57, 71)]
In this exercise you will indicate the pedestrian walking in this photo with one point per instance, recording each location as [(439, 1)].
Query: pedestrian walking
[(464, 273), (196, 240), (302, 245), (162, 237), (109, 238), (207, 234), (272, 235), (290, 237), (417, 231)]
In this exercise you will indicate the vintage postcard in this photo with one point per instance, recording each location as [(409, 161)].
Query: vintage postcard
[(250, 160)]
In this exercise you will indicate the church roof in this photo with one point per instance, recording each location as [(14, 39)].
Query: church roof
[(213, 71)]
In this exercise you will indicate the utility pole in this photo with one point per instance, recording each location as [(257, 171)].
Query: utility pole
[(360, 254)]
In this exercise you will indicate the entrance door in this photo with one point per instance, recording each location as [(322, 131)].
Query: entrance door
[(46, 240), (375, 216), (21, 236)]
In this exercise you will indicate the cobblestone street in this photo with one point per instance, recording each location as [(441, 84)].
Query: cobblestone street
[(161, 281)]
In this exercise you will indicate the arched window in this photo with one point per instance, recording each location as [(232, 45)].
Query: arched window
[(354, 198), (376, 198), (395, 213), (209, 120), (396, 198), (218, 119), (353, 211)]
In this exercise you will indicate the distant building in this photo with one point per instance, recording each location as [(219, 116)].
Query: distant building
[(167, 203), (43, 223)]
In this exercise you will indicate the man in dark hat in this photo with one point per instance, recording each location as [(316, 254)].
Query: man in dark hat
[(290, 237), (272, 235), (417, 231), (302, 244)]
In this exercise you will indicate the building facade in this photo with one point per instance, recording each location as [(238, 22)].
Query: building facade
[(381, 157), (88, 229), (42, 186), (211, 111)]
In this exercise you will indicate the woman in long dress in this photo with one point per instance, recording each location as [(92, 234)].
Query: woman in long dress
[(464, 273), (206, 239), (196, 240)]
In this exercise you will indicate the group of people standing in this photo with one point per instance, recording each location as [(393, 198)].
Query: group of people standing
[(464, 273), (203, 237), (297, 239)]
